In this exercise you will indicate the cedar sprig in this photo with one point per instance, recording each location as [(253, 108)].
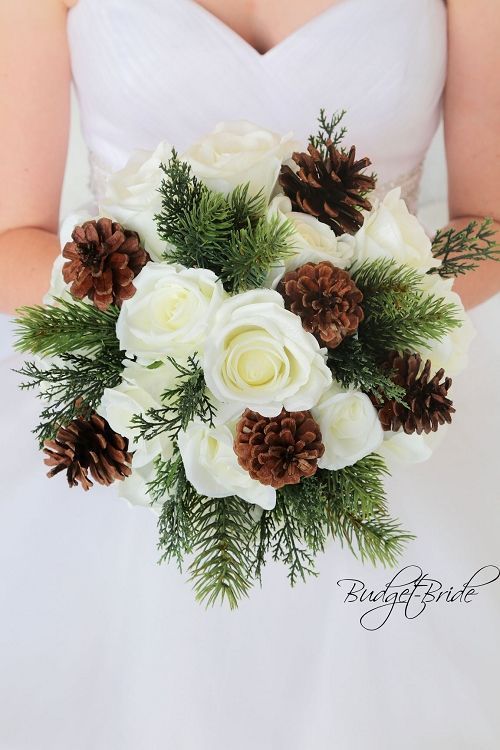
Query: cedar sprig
[(70, 326), (328, 131), (72, 387), (171, 487), (399, 314), (462, 250), (186, 400)]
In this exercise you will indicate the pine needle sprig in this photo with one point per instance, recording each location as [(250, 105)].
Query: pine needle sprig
[(221, 566), (72, 325), (72, 387), (357, 513), (354, 365), (252, 251), (186, 400), (246, 209), (399, 315), (462, 250), (328, 131)]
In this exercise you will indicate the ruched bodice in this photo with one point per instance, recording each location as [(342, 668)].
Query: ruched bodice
[(169, 69)]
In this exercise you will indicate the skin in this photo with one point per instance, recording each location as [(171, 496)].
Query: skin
[(34, 101)]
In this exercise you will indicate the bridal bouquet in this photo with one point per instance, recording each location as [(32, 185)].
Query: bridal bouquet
[(245, 341)]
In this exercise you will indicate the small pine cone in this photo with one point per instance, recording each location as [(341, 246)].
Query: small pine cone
[(88, 445), (278, 450), (326, 299), (333, 188), (426, 402), (103, 260)]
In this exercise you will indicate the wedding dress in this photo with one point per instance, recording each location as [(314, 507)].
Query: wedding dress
[(102, 649)]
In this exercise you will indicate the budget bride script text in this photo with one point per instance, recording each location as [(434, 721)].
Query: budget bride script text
[(411, 591)]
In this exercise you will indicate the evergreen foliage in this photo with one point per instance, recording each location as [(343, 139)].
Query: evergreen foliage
[(328, 131), (72, 325), (184, 401), (399, 315), (462, 250), (72, 386), (230, 236)]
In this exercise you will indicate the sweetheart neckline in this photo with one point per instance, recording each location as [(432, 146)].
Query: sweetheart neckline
[(288, 39)]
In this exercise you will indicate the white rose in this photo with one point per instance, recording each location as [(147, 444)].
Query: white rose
[(134, 489), (141, 389), (170, 314), (236, 153), (451, 352), (349, 425), (258, 355), (311, 242), (132, 196), (390, 231), (212, 466), (399, 448)]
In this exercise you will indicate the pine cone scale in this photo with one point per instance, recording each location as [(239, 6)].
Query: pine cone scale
[(278, 450), (333, 189), (88, 446), (103, 260)]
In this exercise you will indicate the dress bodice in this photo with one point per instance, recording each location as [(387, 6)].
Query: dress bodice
[(170, 70)]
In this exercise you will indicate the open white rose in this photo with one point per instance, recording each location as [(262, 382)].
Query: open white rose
[(132, 196), (452, 351), (212, 466), (171, 312), (311, 242), (390, 231), (349, 425), (134, 489), (141, 389), (259, 355), (236, 153)]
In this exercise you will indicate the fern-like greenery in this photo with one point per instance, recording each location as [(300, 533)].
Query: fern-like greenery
[(185, 400), (399, 315), (462, 250), (230, 236), (328, 131), (71, 386), (71, 326)]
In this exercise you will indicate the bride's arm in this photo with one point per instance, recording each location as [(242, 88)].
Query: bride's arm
[(34, 105), (472, 128)]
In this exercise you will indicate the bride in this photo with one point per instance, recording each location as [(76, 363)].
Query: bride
[(100, 648)]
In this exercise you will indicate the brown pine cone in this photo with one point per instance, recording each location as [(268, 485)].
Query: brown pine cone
[(426, 401), (103, 260), (326, 299), (278, 450), (88, 445), (332, 189)]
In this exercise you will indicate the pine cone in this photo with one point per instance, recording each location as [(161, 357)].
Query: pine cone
[(427, 404), (326, 299), (103, 260), (88, 445), (278, 450), (332, 189)]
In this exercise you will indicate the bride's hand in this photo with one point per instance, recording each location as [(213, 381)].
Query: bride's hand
[(472, 129), (34, 102)]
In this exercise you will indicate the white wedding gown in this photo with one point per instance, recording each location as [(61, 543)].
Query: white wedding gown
[(101, 648)]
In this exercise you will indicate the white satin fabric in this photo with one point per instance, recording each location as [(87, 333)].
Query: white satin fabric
[(100, 648)]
